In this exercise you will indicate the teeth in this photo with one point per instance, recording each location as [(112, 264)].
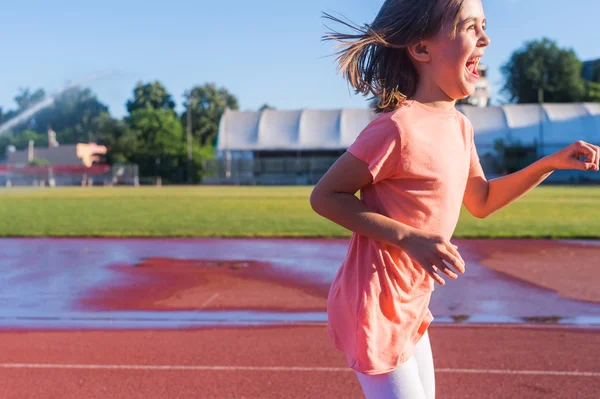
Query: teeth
[(475, 61)]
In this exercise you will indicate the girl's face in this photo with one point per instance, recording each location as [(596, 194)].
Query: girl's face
[(453, 60)]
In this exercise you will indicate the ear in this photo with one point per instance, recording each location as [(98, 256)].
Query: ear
[(419, 52)]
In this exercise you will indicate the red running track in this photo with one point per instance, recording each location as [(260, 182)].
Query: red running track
[(484, 362), (47, 280)]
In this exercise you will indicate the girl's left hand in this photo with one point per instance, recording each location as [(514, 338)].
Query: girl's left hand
[(571, 157)]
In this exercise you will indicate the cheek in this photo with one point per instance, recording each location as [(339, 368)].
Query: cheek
[(454, 55)]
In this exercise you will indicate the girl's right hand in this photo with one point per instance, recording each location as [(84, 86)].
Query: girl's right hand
[(433, 253)]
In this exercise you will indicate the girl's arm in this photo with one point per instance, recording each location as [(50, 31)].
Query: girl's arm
[(483, 198), (334, 198)]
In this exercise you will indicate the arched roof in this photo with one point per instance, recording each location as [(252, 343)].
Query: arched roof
[(311, 129)]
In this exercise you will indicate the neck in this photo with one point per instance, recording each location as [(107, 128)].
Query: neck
[(433, 96)]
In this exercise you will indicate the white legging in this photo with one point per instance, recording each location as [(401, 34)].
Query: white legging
[(413, 379)]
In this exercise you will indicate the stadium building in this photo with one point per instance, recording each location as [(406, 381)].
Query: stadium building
[(74, 164), (297, 147)]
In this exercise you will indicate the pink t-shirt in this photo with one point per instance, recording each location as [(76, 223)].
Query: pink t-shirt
[(420, 158)]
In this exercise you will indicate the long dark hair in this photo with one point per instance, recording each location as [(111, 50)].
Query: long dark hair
[(374, 59)]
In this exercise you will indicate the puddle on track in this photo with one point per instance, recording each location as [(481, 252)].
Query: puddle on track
[(179, 283)]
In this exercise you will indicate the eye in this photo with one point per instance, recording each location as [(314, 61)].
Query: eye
[(471, 27)]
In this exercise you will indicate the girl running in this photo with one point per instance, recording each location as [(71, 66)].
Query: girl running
[(414, 165)]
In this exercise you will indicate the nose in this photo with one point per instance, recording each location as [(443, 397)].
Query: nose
[(484, 40)]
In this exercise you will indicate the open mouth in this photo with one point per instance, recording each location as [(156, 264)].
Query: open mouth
[(471, 66)]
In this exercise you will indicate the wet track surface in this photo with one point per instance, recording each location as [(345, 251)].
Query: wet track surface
[(158, 319), (103, 284)]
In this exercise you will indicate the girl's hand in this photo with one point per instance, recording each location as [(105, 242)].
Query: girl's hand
[(571, 157), (433, 253)]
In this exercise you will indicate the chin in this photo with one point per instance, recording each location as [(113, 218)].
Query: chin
[(461, 95), (466, 92)]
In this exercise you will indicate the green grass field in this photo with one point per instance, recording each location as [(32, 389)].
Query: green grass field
[(203, 211)]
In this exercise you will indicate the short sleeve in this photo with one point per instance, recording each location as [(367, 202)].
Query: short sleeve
[(475, 168), (379, 146)]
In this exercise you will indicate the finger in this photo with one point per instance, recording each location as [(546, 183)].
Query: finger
[(453, 249), (431, 270), (597, 156), (440, 265), (452, 256), (587, 150), (593, 155)]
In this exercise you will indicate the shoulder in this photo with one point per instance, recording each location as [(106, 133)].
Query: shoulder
[(383, 126), (464, 122)]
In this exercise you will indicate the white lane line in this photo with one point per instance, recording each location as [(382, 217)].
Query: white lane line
[(522, 372), (209, 300), (256, 368)]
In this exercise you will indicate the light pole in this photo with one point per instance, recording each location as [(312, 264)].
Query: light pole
[(189, 137), (541, 88)]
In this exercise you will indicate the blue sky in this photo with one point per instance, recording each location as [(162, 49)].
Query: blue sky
[(263, 51)]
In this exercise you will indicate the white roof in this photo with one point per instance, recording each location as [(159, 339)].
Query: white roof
[(337, 129), (291, 130)]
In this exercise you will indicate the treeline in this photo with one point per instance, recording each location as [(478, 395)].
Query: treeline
[(541, 71), (151, 135)]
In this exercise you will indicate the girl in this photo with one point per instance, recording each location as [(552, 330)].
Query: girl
[(414, 165)]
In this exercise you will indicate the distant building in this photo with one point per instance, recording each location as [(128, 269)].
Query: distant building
[(72, 155), (481, 96), (67, 165), (591, 69), (297, 147), (63, 165)]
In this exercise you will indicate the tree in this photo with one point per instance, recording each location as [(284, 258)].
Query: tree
[(152, 135), (21, 140), (596, 72), (72, 116), (26, 98), (156, 143), (120, 141), (592, 87), (150, 95), (159, 130), (5, 141), (541, 67), (592, 92), (208, 103), (39, 162)]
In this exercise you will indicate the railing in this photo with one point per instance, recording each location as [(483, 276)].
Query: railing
[(68, 175), (308, 171)]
